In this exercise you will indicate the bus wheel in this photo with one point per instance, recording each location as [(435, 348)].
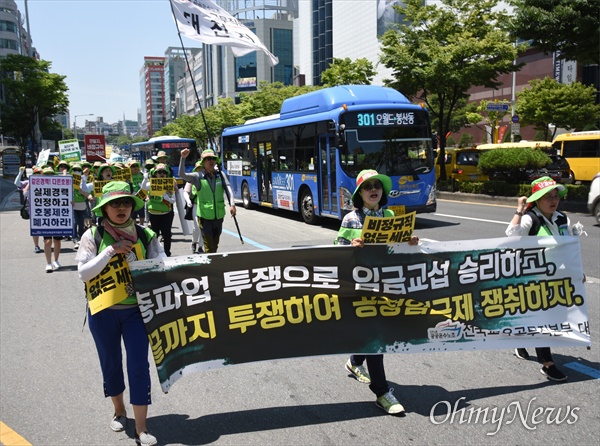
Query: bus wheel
[(246, 199), (307, 208)]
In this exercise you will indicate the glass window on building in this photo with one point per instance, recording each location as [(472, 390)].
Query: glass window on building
[(283, 48)]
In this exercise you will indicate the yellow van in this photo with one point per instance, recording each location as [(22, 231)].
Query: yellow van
[(464, 166), (582, 151)]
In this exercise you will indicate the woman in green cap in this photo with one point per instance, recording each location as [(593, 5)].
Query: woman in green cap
[(369, 198), (102, 249), (538, 215)]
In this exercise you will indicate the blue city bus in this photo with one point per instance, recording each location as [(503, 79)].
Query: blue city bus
[(306, 159), (172, 145)]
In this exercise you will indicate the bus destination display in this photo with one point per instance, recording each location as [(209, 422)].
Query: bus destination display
[(381, 118)]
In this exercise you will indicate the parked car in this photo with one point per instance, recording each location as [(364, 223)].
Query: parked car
[(559, 170), (594, 197)]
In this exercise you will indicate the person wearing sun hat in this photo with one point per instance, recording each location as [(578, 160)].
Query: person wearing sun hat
[(369, 198), (163, 158), (160, 208), (538, 215), (105, 172), (63, 167), (80, 204), (118, 235), (190, 194), (212, 185)]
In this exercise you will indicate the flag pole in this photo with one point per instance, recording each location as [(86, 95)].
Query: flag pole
[(187, 62)]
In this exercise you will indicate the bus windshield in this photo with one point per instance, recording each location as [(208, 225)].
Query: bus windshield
[(388, 154)]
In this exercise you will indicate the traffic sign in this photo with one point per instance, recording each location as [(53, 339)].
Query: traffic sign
[(496, 106), (515, 119), (515, 128)]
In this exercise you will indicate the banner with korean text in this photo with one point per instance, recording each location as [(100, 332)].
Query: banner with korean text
[(208, 311), (51, 210), (206, 22)]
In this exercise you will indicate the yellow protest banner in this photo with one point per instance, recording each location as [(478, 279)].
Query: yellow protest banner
[(111, 286), (160, 186), (389, 230), (123, 174), (98, 185)]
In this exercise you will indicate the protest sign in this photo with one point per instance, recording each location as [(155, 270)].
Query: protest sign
[(51, 208), (210, 311)]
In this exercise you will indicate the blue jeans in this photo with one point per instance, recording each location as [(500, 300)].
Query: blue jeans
[(108, 327), (78, 224)]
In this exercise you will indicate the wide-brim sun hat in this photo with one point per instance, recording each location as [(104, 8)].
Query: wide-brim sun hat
[(106, 166), (48, 171), (62, 163), (114, 191), (370, 174), (158, 168), (198, 165), (542, 186), (208, 153)]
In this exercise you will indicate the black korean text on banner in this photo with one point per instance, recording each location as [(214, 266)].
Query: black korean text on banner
[(160, 186), (51, 208), (389, 230), (211, 311)]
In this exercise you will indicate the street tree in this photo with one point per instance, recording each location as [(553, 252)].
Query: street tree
[(348, 72), (440, 52), (565, 106), (33, 96), (569, 27)]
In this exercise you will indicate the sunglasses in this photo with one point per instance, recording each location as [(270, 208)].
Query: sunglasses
[(210, 158), (122, 202), (370, 186), (161, 172), (77, 171)]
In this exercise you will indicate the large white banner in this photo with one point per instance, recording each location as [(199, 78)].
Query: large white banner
[(204, 21)]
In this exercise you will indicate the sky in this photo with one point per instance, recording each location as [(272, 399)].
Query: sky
[(99, 45)]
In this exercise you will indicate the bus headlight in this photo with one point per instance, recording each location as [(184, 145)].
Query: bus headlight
[(345, 199), (431, 197)]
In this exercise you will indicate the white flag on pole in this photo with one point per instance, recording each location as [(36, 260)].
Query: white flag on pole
[(204, 21)]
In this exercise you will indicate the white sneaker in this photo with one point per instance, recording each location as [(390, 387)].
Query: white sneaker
[(56, 265), (389, 403), (49, 268)]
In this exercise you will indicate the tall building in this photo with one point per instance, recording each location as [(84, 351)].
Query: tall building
[(152, 87), (13, 36), (218, 74), (175, 69)]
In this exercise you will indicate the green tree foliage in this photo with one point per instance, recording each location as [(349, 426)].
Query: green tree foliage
[(512, 164), (466, 140), (567, 26), (347, 72), (33, 95), (565, 106), (268, 99), (442, 51)]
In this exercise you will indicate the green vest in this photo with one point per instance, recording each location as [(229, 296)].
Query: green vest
[(78, 196), (136, 180), (211, 202), (352, 233), (158, 205)]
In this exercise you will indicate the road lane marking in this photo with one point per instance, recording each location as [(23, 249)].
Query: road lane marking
[(246, 240), (583, 369), (9, 437), (471, 218)]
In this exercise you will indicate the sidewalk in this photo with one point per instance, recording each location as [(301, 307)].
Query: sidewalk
[(565, 205), (10, 198)]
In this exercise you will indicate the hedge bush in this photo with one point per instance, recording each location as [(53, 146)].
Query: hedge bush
[(512, 164)]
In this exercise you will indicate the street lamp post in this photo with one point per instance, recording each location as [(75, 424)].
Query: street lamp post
[(75, 125)]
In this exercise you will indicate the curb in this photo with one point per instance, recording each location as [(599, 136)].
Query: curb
[(565, 205)]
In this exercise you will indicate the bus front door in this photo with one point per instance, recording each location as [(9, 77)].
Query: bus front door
[(328, 192), (265, 158)]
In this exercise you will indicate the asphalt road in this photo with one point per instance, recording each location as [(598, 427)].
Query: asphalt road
[(51, 388)]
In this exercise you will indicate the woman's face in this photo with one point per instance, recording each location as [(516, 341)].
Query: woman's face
[(118, 211), (106, 174), (549, 203), (371, 193)]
